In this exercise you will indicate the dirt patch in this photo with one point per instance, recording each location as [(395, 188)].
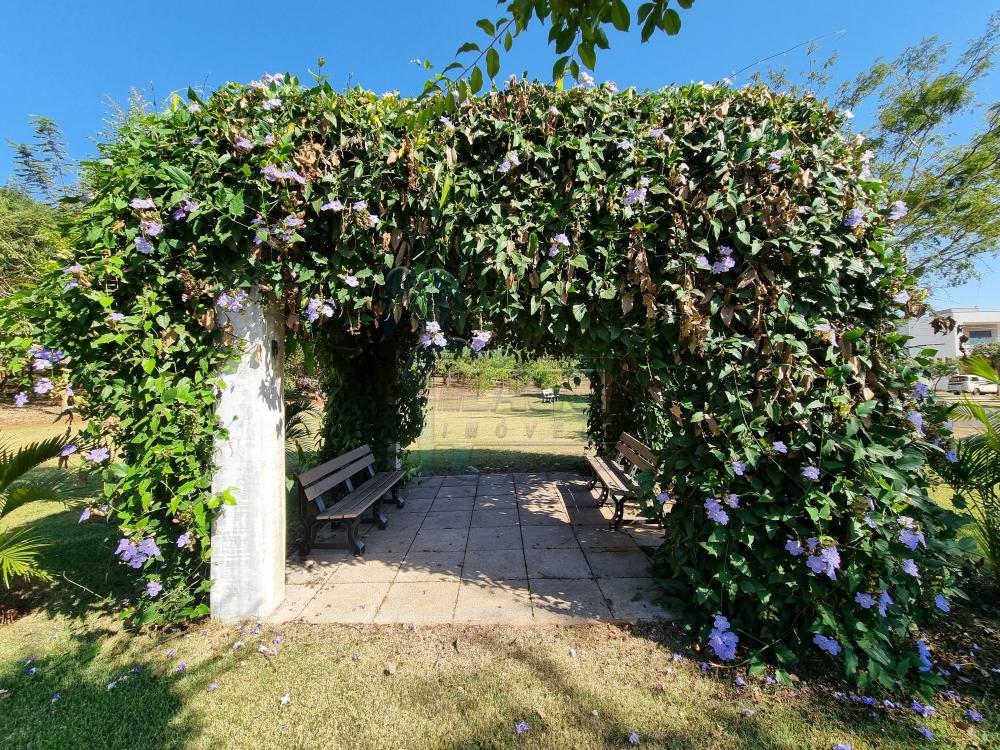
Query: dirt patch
[(29, 415)]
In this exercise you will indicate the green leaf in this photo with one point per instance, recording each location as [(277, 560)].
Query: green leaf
[(476, 80), (671, 22), (487, 26), (587, 55), (492, 62)]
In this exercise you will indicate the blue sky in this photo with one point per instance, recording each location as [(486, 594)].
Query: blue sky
[(70, 60)]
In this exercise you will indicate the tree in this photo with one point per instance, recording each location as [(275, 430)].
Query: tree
[(42, 168), (950, 185), (577, 29), (30, 240)]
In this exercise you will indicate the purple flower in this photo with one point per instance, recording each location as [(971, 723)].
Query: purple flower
[(143, 245), (704, 666), (43, 386), (973, 715), (233, 302), (884, 602), (779, 447), (739, 468), (373, 220), (243, 144), (197, 141), (153, 588), (181, 667), (830, 645), (901, 298), (722, 641), (522, 726), (636, 194), (184, 539), (480, 339), (271, 104), (318, 307), (624, 144), (867, 601), (503, 169), (810, 472), (116, 317), (910, 538), (446, 121), (141, 203), (20, 399), (825, 563), (84, 516), (351, 280), (194, 108), (334, 205), (213, 686), (732, 500), (30, 671), (898, 210), (359, 206), (739, 681), (925, 656), (152, 228), (843, 746), (702, 262), (854, 217), (97, 455), (663, 497), (723, 265), (633, 738), (911, 567), (148, 547), (269, 140), (951, 455), (924, 711), (56, 697), (794, 547), (941, 603), (715, 511)]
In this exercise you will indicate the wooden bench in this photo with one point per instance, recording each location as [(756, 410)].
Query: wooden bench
[(618, 476), (320, 487), (549, 396)]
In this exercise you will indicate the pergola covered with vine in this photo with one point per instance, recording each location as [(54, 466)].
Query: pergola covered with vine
[(719, 253)]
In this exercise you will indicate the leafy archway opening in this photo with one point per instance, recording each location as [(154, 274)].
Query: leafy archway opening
[(723, 251)]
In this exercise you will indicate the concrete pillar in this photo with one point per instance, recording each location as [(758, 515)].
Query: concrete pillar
[(248, 539)]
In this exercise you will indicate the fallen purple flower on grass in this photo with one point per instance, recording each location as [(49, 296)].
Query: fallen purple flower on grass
[(522, 726)]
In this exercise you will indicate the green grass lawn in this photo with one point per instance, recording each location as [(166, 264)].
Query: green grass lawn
[(371, 687)]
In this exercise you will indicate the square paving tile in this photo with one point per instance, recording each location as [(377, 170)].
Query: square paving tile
[(543, 516), (422, 602), (416, 505), (431, 566), (310, 572), (296, 600), (467, 490), (460, 480), (419, 493), (634, 598), (508, 602), (494, 565), (345, 602), (447, 519), (495, 501), (619, 563), (557, 563), (426, 482), (440, 540), (603, 538), (646, 535), (549, 537), (494, 537), (369, 568), (443, 504), (562, 600), (495, 517)]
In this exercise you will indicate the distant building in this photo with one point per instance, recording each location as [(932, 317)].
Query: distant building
[(973, 326)]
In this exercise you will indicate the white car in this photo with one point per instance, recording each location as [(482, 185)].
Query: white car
[(970, 384)]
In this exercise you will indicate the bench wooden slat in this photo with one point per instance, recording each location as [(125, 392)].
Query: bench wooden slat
[(334, 479), (318, 472), (361, 499), (641, 450), (632, 457), (612, 476)]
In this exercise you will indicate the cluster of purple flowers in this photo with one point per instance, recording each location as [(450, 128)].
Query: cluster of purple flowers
[(723, 264), (854, 217), (559, 239), (136, 554), (775, 157), (722, 640), (186, 207), (920, 391), (512, 160), (659, 134), (522, 727), (272, 174), (432, 335), (637, 194), (739, 468), (480, 339), (243, 145), (184, 540), (715, 511), (319, 307), (898, 210), (866, 164), (830, 645), (825, 562), (917, 420), (271, 104), (233, 301), (910, 536)]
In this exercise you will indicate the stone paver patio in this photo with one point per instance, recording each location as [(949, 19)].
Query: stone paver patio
[(483, 548)]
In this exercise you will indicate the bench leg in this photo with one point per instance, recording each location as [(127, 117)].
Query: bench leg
[(309, 538), (603, 498), (356, 543), (400, 500), (619, 516), (378, 516)]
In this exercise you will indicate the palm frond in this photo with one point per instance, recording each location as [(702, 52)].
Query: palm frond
[(979, 365), (14, 464), (22, 494), (19, 557)]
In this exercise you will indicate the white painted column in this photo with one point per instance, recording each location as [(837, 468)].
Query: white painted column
[(248, 539)]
